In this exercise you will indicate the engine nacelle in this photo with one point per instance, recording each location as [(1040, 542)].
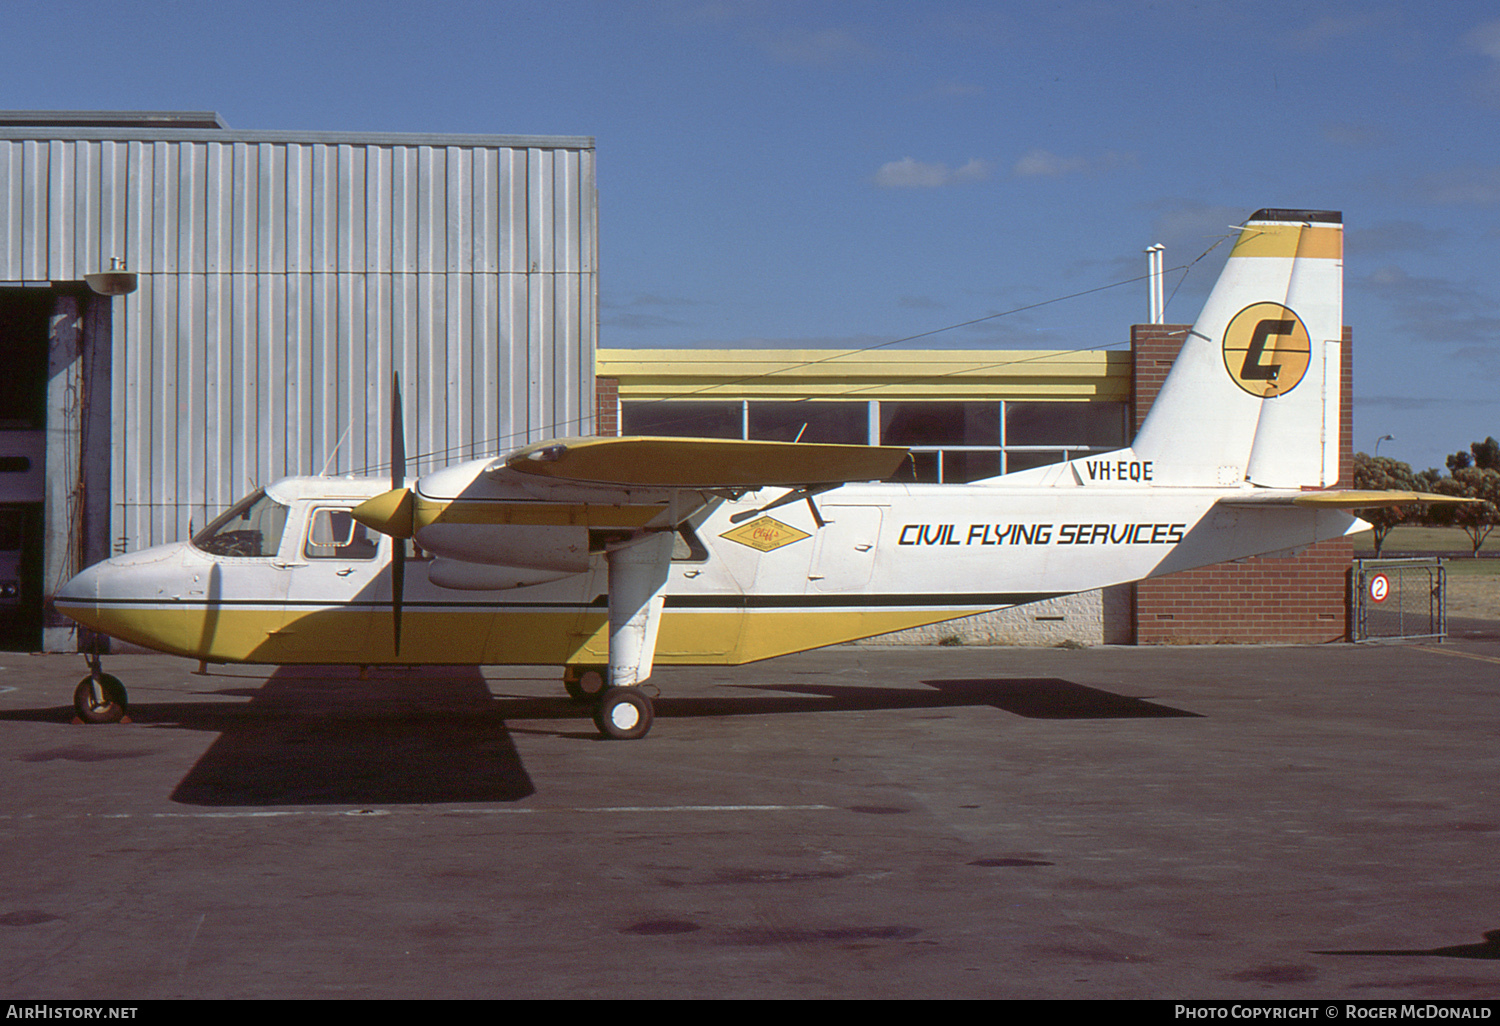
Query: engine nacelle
[(560, 548)]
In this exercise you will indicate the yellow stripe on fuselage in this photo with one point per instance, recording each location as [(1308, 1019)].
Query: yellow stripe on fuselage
[(473, 636)]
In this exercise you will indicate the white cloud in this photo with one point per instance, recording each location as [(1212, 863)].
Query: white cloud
[(1467, 185), (1485, 39), (1330, 28), (1040, 163), (818, 47), (909, 173), (974, 171), (1433, 309)]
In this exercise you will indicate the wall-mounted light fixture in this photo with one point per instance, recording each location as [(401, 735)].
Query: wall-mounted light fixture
[(114, 282)]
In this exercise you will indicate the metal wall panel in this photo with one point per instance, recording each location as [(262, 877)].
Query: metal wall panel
[(281, 280)]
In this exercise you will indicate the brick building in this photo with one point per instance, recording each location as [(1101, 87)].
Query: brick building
[(969, 414)]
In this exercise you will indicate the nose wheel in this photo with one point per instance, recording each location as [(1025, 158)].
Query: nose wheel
[(100, 698)]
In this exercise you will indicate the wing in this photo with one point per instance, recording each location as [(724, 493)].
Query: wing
[(582, 482), (646, 461)]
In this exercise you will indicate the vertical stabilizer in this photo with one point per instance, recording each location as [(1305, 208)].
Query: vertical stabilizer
[(1254, 394)]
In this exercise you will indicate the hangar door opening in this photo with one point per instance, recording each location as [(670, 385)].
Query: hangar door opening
[(25, 315)]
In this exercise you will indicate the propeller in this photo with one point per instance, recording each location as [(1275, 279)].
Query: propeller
[(390, 513)]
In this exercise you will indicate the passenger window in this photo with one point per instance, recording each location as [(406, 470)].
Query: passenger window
[(686, 548), (335, 534)]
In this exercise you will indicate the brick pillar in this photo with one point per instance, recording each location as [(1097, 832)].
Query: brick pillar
[(1296, 599), (1153, 349), (607, 406)]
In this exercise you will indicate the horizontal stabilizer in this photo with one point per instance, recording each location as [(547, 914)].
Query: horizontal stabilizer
[(1343, 498), (644, 461)]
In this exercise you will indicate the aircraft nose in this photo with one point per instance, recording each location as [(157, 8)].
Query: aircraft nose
[(92, 593), (83, 587), (78, 599)]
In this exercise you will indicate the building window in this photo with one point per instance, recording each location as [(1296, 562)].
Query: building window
[(940, 423), (952, 442), (1095, 425), (686, 419), (809, 421)]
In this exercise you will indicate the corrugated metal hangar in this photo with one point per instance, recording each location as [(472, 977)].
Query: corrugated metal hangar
[(280, 278), (269, 283)]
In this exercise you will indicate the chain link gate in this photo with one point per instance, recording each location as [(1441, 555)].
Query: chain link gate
[(1399, 599)]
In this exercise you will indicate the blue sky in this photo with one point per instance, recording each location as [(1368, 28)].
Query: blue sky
[(850, 173)]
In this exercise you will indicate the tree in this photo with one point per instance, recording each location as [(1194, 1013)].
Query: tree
[(1486, 454), (1383, 474), (1477, 519)]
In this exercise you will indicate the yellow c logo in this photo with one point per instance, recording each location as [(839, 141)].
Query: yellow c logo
[(1266, 349)]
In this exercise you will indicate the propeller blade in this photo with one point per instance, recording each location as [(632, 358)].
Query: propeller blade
[(398, 483), (398, 586), (398, 435)]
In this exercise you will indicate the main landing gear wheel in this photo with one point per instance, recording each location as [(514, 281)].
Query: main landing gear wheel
[(105, 706), (623, 714), (585, 683)]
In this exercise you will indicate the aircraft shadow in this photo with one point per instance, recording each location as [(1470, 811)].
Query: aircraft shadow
[(321, 736), (1042, 698), (1490, 949), (309, 737)]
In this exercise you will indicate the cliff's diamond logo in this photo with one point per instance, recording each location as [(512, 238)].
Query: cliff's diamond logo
[(765, 534)]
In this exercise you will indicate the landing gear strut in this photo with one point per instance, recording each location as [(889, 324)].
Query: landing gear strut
[(99, 697)]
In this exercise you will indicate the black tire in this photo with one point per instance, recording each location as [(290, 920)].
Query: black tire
[(90, 710), (623, 714), (586, 683)]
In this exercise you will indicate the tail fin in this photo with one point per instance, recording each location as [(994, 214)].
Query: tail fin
[(1254, 394)]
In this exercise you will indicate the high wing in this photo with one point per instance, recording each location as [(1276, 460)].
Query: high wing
[(646, 461), (679, 475), (540, 513)]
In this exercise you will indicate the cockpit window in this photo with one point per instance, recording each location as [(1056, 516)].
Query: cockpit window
[(252, 527)]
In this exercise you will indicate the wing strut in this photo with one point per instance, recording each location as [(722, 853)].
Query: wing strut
[(792, 496)]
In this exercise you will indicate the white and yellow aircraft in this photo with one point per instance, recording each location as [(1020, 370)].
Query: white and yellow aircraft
[(607, 555)]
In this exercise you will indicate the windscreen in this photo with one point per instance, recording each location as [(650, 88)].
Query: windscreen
[(251, 527)]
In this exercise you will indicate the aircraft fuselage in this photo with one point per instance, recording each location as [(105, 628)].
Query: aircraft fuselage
[(740, 588)]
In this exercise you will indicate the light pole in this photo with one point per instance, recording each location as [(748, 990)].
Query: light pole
[(1383, 438)]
